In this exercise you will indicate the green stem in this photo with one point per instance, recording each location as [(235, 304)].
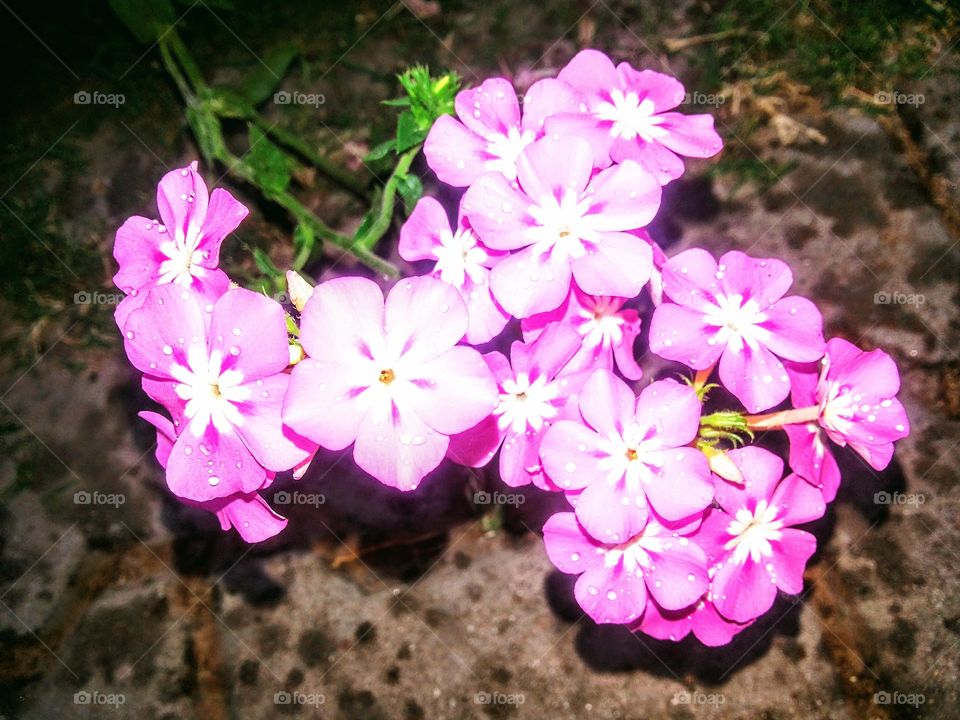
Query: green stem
[(384, 216), (776, 420), (340, 176)]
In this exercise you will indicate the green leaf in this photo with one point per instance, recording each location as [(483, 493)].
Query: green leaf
[(146, 19), (269, 164), (206, 129), (267, 75), (408, 132), (411, 190), (380, 151), (365, 224), (396, 102), (227, 103)]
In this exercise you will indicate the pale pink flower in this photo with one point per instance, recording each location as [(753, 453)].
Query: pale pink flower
[(607, 329), (183, 247), (629, 453), (460, 259), (249, 513), (536, 388), (490, 133), (387, 376), (627, 117), (616, 580), (751, 545), (736, 312), (219, 369), (566, 223)]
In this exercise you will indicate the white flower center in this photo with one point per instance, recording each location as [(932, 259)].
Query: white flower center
[(738, 320), (526, 404), (753, 532), (506, 149), (211, 395), (459, 257), (634, 456), (183, 257), (563, 227), (635, 552), (600, 324), (631, 117)]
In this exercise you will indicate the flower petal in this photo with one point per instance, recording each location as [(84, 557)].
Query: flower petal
[(497, 212), (673, 407), (790, 555), (794, 330), (742, 592), (342, 321), (224, 215), (275, 446), (153, 332), (424, 318), (250, 332), (611, 595), (552, 167), (489, 109), (421, 233), (571, 455), (182, 200), (798, 501), (569, 548), (454, 391), (754, 375), (679, 333), (528, 282), (623, 197), (455, 153), (683, 485), (254, 520), (609, 513), (218, 464)]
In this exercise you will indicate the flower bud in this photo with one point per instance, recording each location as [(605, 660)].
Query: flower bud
[(722, 465), (298, 289)]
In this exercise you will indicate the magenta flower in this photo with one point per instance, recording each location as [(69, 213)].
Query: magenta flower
[(627, 116), (751, 544), (735, 312), (853, 402), (565, 223), (629, 453), (490, 133), (616, 580), (608, 331), (460, 260), (249, 513), (219, 370), (184, 248), (387, 376), (536, 389), (707, 625)]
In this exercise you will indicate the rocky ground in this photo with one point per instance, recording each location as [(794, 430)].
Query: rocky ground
[(116, 602)]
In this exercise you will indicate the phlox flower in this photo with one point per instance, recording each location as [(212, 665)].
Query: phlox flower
[(607, 329), (854, 393), (702, 619), (219, 369), (627, 116), (489, 132), (627, 453), (736, 312), (249, 513), (616, 579), (387, 376), (566, 223), (183, 247), (536, 388), (460, 260), (751, 544)]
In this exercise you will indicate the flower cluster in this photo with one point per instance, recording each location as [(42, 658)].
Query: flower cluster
[(672, 527)]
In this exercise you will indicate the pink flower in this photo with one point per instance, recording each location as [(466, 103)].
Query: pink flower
[(627, 116), (707, 625), (460, 260), (387, 376), (855, 393), (735, 312), (249, 513), (565, 222), (616, 580), (751, 544), (607, 329), (184, 248), (219, 370), (536, 389), (628, 453), (490, 133)]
